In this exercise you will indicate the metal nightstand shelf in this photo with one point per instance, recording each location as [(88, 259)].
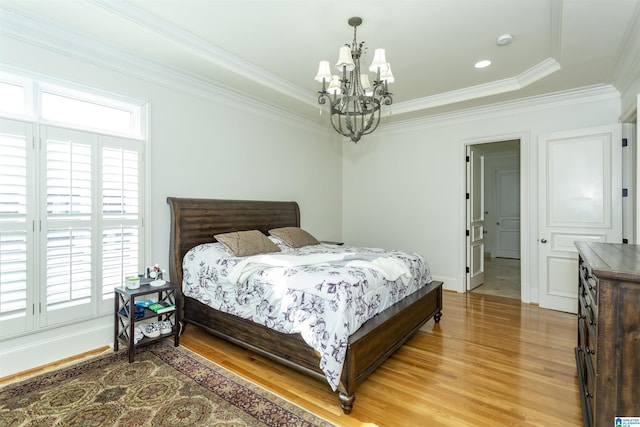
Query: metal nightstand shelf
[(124, 320)]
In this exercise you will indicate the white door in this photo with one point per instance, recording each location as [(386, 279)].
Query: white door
[(580, 199), (508, 213), (475, 218)]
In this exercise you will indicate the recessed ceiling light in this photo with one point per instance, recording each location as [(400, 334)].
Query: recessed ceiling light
[(482, 64)]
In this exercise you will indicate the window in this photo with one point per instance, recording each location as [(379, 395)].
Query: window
[(12, 98), (64, 248)]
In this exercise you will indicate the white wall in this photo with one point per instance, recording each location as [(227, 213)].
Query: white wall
[(201, 145), (403, 186), (399, 188)]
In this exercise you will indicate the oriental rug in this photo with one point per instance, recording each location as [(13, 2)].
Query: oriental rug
[(164, 386)]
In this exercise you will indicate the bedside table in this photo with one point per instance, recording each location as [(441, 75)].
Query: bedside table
[(125, 321)]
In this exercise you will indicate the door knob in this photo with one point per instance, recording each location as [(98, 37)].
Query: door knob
[(543, 240)]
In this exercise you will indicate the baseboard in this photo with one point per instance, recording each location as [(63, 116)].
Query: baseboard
[(449, 283), (42, 348)]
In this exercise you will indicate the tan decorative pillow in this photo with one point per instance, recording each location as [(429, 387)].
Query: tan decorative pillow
[(294, 236), (245, 243)]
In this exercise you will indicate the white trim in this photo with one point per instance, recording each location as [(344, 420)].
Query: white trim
[(521, 106), (41, 33), (627, 66), (211, 52), (526, 260), (532, 75), (24, 353)]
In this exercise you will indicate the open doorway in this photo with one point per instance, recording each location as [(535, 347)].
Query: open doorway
[(498, 194)]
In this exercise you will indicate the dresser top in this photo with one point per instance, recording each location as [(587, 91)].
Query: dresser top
[(612, 260)]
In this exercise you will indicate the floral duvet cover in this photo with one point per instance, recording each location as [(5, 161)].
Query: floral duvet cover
[(324, 301)]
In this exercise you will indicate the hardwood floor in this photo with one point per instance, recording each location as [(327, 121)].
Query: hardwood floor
[(491, 361)]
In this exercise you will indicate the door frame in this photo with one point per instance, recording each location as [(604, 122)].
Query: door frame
[(526, 258)]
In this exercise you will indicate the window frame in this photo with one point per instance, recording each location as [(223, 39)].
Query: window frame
[(37, 317)]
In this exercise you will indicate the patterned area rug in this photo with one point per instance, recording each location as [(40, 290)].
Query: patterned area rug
[(164, 386)]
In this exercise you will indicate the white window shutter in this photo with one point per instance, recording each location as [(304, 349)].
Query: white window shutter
[(121, 199), (69, 161), (16, 228)]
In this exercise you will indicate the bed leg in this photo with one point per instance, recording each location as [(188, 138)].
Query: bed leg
[(437, 317), (346, 401)]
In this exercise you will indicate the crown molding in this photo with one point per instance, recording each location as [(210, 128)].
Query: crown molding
[(207, 50), (627, 67), (534, 103), (532, 75), (48, 35), (42, 33)]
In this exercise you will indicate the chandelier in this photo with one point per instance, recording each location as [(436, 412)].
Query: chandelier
[(355, 103)]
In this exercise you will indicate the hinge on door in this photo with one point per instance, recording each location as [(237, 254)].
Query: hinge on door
[(624, 142), (468, 234), (468, 270), (625, 192), (467, 159), (467, 196)]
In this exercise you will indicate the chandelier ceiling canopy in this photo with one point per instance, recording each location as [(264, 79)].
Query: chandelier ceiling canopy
[(355, 103)]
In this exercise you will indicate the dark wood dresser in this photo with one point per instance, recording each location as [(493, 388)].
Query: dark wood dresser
[(608, 351)]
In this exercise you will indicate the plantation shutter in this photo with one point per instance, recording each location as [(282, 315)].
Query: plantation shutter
[(121, 208), (93, 220), (69, 224), (16, 228)]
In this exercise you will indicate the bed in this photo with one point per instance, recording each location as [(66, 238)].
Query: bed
[(194, 222)]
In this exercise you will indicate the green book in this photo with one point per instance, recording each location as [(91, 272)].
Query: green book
[(161, 307)]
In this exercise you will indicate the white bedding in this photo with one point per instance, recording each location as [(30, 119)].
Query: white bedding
[(324, 292)]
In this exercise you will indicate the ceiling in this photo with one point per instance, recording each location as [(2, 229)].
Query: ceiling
[(269, 50)]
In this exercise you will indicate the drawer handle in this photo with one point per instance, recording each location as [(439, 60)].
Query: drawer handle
[(587, 393)]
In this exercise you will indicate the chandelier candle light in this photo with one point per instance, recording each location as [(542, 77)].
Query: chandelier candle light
[(355, 103)]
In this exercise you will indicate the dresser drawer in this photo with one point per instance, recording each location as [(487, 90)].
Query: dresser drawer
[(585, 383), (591, 308), (589, 281), (587, 320)]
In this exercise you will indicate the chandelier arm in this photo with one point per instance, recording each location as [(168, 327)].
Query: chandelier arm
[(323, 97), (377, 122)]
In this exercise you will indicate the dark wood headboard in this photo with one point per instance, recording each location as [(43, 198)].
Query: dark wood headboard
[(196, 221)]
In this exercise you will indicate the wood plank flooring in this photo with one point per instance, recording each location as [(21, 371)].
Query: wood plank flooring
[(491, 361)]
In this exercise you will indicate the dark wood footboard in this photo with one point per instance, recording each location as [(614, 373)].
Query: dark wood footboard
[(195, 221), (368, 347), (383, 334)]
